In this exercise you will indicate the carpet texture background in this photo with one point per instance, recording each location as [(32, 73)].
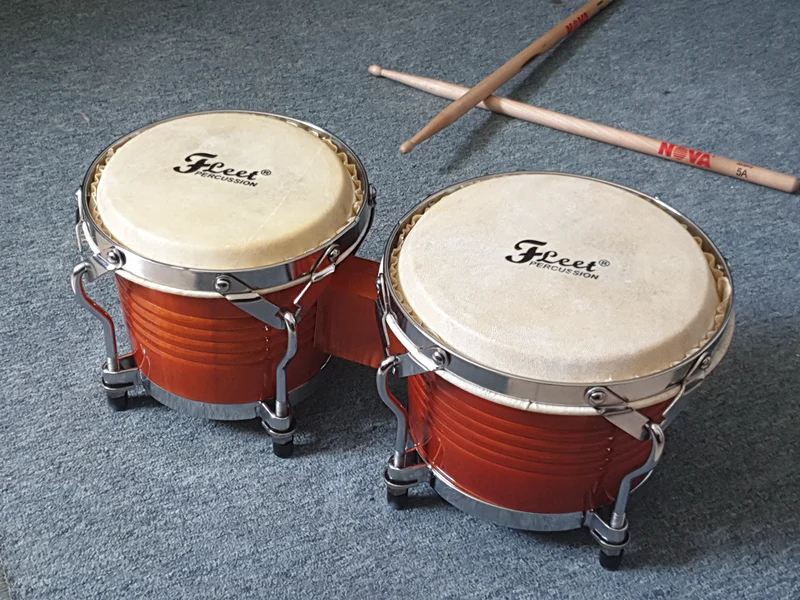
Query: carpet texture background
[(153, 504)]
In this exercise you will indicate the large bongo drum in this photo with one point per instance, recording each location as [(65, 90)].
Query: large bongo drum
[(222, 229), (551, 327)]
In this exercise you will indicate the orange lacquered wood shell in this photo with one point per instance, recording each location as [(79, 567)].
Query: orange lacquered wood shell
[(521, 460), (347, 323), (208, 350)]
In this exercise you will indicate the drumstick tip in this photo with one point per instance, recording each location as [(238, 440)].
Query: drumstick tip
[(407, 147), (375, 70)]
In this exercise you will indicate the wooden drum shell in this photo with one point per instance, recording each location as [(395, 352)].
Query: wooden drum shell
[(208, 350), (520, 460)]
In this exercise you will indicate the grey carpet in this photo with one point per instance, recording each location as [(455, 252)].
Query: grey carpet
[(153, 504), (5, 593)]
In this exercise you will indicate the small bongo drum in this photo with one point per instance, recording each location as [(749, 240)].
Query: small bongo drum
[(221, 229), (551, 327)]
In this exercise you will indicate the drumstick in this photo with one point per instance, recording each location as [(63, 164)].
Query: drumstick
[(486, 87), (602, 133)]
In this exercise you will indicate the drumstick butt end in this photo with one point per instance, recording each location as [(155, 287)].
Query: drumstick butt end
[(375, 70)]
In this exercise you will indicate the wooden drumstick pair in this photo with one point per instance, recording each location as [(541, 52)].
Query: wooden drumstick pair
[(480, 96), (602, 133)]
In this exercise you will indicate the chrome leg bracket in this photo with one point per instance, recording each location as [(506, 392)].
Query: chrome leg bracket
[(280, 428), (612, 535), (400, 479), (402, 366), (120, 374), (612, 540), (413, 472), (277, 418), (406, 468), (124, 379)]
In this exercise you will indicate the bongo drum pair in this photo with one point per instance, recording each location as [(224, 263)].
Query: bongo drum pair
[(549, 326)]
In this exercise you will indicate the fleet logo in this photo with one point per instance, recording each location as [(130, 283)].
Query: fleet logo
[(531, 253), (200, 165), (577, 22), (679, 153)]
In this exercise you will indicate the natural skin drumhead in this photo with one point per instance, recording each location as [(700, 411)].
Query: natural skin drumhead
[(224, 191), (557, 278)]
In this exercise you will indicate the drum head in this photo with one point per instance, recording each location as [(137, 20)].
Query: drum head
[(226, 190), (559, 278)]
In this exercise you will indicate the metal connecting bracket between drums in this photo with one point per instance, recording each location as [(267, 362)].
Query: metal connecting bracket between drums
[(277, 418)]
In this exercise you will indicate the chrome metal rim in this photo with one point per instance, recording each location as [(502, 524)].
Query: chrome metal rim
[(226, 412), (539, 391), (280, 275), (505, 517)]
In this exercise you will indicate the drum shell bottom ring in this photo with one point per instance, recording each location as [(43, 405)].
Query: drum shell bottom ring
[(208, 350), (519, 460)]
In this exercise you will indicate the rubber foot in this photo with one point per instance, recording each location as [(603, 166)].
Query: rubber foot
[(283, 450), (611, 563), (118, 404), (397, 502)]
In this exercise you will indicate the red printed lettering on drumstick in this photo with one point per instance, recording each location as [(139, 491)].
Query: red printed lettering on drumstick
[(679, 153), (577, 22)]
